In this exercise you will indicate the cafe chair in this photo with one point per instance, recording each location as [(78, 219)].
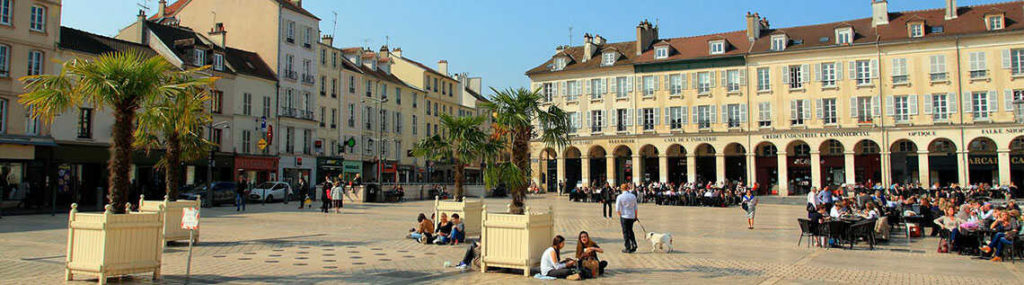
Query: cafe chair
[(806, 231)]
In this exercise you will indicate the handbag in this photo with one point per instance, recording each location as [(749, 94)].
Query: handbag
[(744, 206), (943, 246)]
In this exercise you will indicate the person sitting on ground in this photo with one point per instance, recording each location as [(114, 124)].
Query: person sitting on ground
[(443, 230), (458, 230), (424, 229), (551, 264), (587, 249)]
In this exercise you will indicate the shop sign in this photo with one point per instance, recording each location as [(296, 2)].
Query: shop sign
[(803, 162), (998, 131), (627, 141), (811, 135), (1017, 160), (390, 167), (256, 163), (921, 134), (352, 166), (691, 139), (983, 160)]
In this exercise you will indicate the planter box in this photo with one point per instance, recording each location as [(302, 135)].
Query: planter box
[(172, 216), (515, 241), (469, 212), (106, 245)]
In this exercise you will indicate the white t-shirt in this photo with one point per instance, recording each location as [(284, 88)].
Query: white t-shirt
[(626, 205), (548, 262)]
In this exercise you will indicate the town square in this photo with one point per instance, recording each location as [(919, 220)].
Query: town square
[(438, 142)]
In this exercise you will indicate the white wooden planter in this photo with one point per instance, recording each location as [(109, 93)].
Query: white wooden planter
[(515, 241), (105, 245), (172, 216), (469, 212)]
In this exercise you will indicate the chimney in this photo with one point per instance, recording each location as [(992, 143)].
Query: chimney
[(442, 67), (218, 35), (162, 9), (646, 34), (475, 84), (588, 47), (598, 40), (384, 52), (297, 3), (327, 40), (397, 51), (753, 30), (879, 13), (951, 9), (141, 21)]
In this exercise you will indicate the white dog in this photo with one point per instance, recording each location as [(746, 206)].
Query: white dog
[(660, 241)]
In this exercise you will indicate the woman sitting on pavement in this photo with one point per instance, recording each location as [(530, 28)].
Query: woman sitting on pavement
[(551, 264), (424, 229), (587, 249), (444, 230)]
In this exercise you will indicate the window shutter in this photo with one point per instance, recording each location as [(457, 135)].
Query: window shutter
[(562, 88), (817, 72), (743, 113), (579, 84), (785, 74), (613, 85), (695, 112), (876, 107), (792, 109), (951, 102), (639, 117), (889, 106), (613, 118), (629, 84), (807, 110), (770, 115), (629, 117), (682, 76), (912, 104), (657, 116), (657, 82), (693, 80), (874, 68), (586, 87), (973, 61), (967, 102), (853, 107), (1007, 59), (711, 74), (839, 70), (853, 70), (665, 80), (725, 113), (895, 66), (928, 104), (725, 78), (714, 116), (668, 115), (743, 77), (817, 108), (933, 64), (993, 101), (1008, 99), (682, 114), (805, 73)]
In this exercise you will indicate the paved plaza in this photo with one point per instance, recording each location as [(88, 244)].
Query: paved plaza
[(277, 243)]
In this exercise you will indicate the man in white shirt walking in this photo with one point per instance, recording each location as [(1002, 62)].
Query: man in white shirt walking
[(626, 208)]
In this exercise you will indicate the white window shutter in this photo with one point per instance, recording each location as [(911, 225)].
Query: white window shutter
[(993, 101), (712, 79), (889, 106), (912, 104), (817, 109), (665, 80), (876, 107), (725, 113), (586, 87), (928, 104), (951, 102), (1008, 99), (562, 90), (613, 85), (725, 78), (579, 84), (657, 82), (682, 114), (817, 72), (696, 118), (629, 84), (805, 73), (693, 80), (807, 109), (743, 77), (874, 68), (785, 74), (682, 76), (792, 109), (639, 116), (853, 70), (714, 116), (668, 115), (967, 102), (839, 70), (1007, 59), (657, 116), (853, 107), (613, 116), (743, 113), (895, 66), (629, 117), (770, 115)]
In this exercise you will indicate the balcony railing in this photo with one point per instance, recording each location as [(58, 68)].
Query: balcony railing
[(307, 78), (291, 74), (296, 113)]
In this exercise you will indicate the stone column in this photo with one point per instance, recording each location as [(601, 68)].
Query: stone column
[(923, 172), (610, 169), (783, 174), (886, 168), (663, 168), (963, 168), (638, 169), (585, 170), (849, 167), (1004, 167), (752, 169), (720, 166), (559, 174), (815, 169), (691, 167)]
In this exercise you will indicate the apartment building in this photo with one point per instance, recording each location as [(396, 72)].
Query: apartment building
[(929, 96)]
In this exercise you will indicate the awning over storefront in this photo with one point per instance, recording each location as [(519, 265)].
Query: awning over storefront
[(264, 163), (17, 152)]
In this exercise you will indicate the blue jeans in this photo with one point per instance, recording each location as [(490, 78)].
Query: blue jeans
[(239, 202), (415, 235), (998, 241), (457, 235)]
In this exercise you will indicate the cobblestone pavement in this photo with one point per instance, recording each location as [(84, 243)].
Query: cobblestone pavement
[(272, 244)]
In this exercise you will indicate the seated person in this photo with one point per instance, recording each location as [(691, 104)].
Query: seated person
[(458, 230), (471, 254), (1004, 236), (424, 229), (869, 211), (444, 230), (949, 224), (550, 264), (587, 249)]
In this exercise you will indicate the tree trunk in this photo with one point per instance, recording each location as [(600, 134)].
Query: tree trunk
[(121, 151), (521, 158), (460, 177), (172, 171)]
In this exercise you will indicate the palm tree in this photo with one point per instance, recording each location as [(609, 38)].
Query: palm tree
[(463, 143), (518, 119), (174, 122), (121, 81)]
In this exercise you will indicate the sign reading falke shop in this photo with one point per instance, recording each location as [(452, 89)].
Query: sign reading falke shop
[(998, 131)]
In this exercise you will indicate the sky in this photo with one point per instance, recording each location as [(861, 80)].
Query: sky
[(500, 40)]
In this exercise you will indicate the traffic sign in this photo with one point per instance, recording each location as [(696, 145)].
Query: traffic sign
[(263, 123), (190, 218), (262, 144)]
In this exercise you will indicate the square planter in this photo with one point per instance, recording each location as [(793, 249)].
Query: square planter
[(469, 212), (105, 245), (515, 241), (172, 216)]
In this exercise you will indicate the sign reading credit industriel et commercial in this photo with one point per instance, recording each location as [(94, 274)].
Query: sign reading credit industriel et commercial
[(811, 135)]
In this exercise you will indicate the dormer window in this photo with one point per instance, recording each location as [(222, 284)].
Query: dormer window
[(661, 52), (716, 47), (560, 63), (779, 42), (844, 36), (994, 22), (608, 58), (218, 62), (916, 30), (198, 57)]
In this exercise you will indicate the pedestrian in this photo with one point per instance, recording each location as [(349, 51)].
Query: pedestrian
[(561, 187), (607, 199), (337, 196), (750, 205), (326, 206), (241, 193), (626, 208), (300, 191)]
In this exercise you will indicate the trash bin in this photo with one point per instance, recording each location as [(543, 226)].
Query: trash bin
[(372, 191)]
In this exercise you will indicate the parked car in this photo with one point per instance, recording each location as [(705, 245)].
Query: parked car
[(270, 191), (223, 192)]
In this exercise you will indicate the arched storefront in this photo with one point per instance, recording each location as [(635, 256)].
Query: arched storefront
[(573, 168), (982, 162), (598, 165), (736, 163), (624, 165), (867, 162), (649, 164), (1017, 162), (767, 166), (942, 162), (676, 164), (833, 168), (903, 161), (549, 169), (798, 155), (706, 168)]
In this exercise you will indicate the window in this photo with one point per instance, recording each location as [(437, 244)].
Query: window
[(733, 81), (899, 71), (198, 57), (31, 124), (323, 116), (939, 107), (661, 52), (979, 105), (779, 42), (383, 91), (435, 84), (828, 74), (560, 63), (309, 37), (573, 88), (704, 82), (828, 111), (1013, 99), (574, 121), (3, 116), (383, 120), (289, 71), (5, 12), (596, 120), (916, 30), (938, 67), (798, 112), (994, 22), (548, 89), (734, 115), (266, 106), (764, 79), (398, 123), (676, 117), (675, 84), (290, 32), (901, 108), (334, 88), (716, 47), (1015, 64), (218, 62), (352, 116), (414, 99), (977, 64), (597, 88), (796, 76), (247, 104), (428, 129), (398, 96), (704, 115), (608, 58), (650, 84), (414, 124), (351, 84), (35, 62), (444, 88), (369, 88), (368, 118), (84, 123), (323, 86), (217, 137), (307, 138), (764, 114), (246, 141), (428, 107), (5, 55), (216, 101), (844, 36), (624, 85), (38, 19), (864, 109), (649, 118), (623, 119), (864, 71)]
